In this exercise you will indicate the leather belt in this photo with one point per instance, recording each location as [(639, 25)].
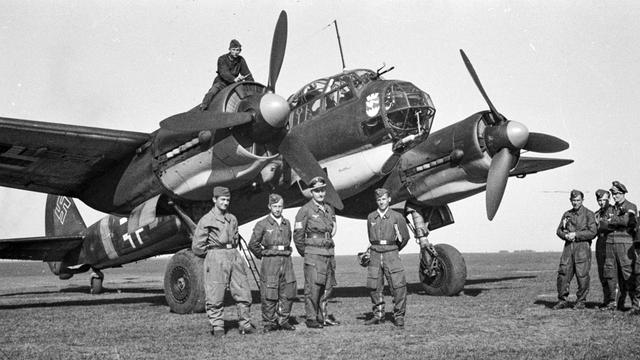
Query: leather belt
[(314, 235), (383, 242), (223, 246), (278, 247)]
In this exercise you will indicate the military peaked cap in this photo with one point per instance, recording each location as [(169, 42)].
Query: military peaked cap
[(617, 186), (317, 182)]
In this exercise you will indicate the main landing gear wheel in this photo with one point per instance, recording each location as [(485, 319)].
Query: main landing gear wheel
[(450, 273), (184, 283), (96, 282)]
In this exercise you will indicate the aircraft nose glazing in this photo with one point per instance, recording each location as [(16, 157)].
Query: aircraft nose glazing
[(517, 133), (274, 110)]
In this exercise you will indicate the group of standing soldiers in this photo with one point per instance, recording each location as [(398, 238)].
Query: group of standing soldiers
[(216, 238), (617, 249)]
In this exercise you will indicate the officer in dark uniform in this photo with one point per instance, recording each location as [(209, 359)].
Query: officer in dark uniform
[(619, 262), (216, 238), (577, 228), (271, 242), (313, 236), (603, 215), (388, 234), (232, 68)]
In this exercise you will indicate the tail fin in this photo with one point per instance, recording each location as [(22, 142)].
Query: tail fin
[(62, 218)]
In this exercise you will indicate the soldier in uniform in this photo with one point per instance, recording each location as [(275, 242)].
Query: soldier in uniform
[(603, 215), (388, 234), (313, 232), (271, 242), (232, 68), (577, 228), (618, 266), (216, 238)]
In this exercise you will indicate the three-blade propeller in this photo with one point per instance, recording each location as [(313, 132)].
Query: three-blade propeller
[(505, 139), (269, 113)]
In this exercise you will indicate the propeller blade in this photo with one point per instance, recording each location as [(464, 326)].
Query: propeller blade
[(278, 46), (497, 180), (299, 157), (473, 74), (199, 120), (544, 143)]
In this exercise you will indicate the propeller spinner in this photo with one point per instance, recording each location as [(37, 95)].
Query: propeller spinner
[(505, 139), (266, 116)]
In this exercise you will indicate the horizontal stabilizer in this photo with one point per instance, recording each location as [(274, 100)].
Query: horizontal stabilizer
[(530, 165), (46, 248)]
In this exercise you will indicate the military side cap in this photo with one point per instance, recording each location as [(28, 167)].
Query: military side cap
[(576, 193), (382, 191), (600, 193), (234, 44), (274, 198), (221, 191), (317, 182), (617, 186)]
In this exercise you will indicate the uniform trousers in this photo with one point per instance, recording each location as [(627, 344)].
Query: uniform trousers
[(618, 269), (387, 265), (224, 267), (575, 260), (319, 280), (278, 289)]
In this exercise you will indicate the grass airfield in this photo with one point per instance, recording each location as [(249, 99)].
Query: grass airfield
[(503, 312)]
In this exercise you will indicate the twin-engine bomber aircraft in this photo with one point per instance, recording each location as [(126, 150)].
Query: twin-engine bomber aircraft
[(356, 128)]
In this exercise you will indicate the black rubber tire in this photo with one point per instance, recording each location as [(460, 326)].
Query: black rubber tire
[(452, 273), (184, 283), (96, 285)]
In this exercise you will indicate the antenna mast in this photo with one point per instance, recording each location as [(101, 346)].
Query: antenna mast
[(335, 22)]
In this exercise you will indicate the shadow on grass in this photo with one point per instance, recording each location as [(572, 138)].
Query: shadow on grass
[(157, 298), (549, 304), (85, 290), (151, 300)]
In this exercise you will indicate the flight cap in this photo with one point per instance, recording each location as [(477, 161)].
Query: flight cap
[(221, 191), (600, 193), (235, 44)]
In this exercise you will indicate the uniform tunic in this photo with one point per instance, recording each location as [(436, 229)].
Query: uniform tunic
[(576, 255), (312, 236), (619, 269), (216, 237), (389, 228), (271, 242), (228, 69), (603, 215)]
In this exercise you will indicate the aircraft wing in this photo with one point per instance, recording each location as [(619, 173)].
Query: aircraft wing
[(530, 165), (58, 158), (46, 248)]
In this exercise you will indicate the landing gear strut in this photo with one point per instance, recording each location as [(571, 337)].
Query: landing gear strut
[(96, 281), (442, 269)]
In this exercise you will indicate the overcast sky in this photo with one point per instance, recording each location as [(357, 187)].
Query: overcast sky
[(567, 68)]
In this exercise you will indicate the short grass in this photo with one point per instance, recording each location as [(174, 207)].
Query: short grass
[(503, 312)]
